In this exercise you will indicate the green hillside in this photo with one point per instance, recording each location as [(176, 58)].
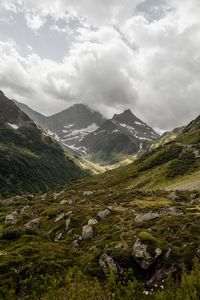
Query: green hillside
[(29, 160)]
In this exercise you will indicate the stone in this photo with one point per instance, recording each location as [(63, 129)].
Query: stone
[(68, 221), (142, 256), (60, 217), (173, 196), (7, 201), (107, 264), (30, 197), (172, 211), (104, 213), (75, 244), (33, 224), (87, 232), (88, 193), (24, 209), (10, 219), (62, 202), (58, 236), (146, 217), (193, 196), (93, 222)]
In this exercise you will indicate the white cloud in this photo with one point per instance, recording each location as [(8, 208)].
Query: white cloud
[(150, 67)]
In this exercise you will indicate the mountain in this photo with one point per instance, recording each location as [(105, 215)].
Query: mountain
[(123, 135), (29, 159)]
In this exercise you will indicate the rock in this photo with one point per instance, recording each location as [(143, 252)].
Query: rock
[(24, 209), (30, 197), (172, 211), (198, 253), (78, 237), (10, 219), (104, 213), (161, 275), (87, 232), (93, 222), (93, 248), (107, 264), (122, 246), (62, 202), (56, 195), (174, 197), (75, 244), (60, 217), (43, 197), (58, 236), (88, 193), (7, 201), (146, 217), (142, 256), (33, 224), (70, 202), (68, 221), (193, 196)]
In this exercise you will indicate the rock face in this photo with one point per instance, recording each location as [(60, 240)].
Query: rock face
[(10, 219), (146, 217), (143, 256), (33, 224), (104, 213), (92, 222), (107, 264), (87, 232)]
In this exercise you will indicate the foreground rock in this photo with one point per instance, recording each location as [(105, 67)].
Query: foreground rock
[(87, 232), (146, 217), (107, 264), (10, 219), (33, 224), (143, 255)]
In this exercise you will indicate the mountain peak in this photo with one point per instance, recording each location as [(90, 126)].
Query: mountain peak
[(127, 116)]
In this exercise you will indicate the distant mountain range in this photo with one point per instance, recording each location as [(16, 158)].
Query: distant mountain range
[(88, 133)]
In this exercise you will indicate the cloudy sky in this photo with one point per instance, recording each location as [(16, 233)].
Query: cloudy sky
[(109, 54)]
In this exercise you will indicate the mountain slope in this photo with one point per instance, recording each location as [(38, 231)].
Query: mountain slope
[(29, 159)]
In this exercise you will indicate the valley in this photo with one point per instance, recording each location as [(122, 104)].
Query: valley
[(73, 229)]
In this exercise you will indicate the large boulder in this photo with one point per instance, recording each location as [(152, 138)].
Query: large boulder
[(10, 219), (33, 224), (107, 264), (87, 232), (146, 217), (104, 213), (143, 255)]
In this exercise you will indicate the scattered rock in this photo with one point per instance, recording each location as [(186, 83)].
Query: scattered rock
[(146, 217), (30, 197), (78, 237), (143, 256), (62, 202), (70, 202), (33, 224), (93, 248), (10, 219), (24, 209), (88, 193), (68, 221), (7, 201), (122, 246), (60, 217), (93, 222), (107, 264), (75, 244), (193, 196), (174, 197), (58, 236), (104, 213), (172, 211), (56, 195), (87, 232)]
